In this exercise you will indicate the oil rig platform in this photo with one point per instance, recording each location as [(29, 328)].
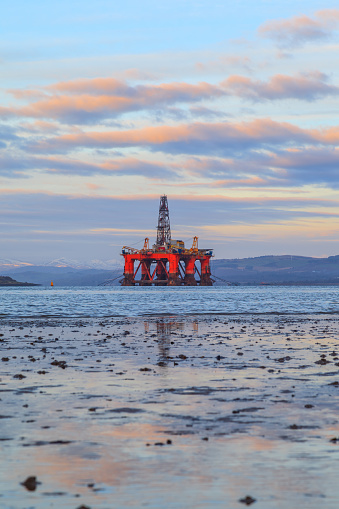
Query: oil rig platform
[(167, 262)]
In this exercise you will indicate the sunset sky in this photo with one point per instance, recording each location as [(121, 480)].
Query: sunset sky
[(231, 108)]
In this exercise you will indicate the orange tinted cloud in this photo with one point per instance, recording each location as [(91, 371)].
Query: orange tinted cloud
[(194, 138), (92, 187), (118, 88), (297, 30), (87, 100)]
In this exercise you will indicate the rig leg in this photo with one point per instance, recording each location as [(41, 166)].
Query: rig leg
[(145, 273), (189, 279), (128, 272), (173, 278), (205, 272), (128, 280), (161, 272)]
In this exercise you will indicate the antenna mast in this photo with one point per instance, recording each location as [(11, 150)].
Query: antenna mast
[(163, 228)]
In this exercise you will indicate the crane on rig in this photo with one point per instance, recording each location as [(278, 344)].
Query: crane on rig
[(168, 262)]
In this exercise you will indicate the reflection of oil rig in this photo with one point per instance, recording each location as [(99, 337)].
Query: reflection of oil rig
[(167, 262)]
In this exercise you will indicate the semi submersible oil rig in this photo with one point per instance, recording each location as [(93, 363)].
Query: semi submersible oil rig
[(167, 263)]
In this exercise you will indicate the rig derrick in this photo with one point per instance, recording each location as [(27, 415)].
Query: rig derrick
[(167, 262)]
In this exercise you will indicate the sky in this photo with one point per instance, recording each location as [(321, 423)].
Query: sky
[(230, 108)]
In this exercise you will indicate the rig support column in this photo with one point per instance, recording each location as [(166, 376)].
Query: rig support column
[(173, 278), (145, 273), (189, 279), (128, 271), (161, 272), (205, 272)]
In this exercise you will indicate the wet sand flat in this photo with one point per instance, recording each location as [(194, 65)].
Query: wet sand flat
[(170, 412)]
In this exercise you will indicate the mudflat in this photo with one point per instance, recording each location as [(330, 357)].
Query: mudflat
[(170, 412)]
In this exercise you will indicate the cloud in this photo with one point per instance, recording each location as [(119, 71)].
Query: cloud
[(305, 87), (18, 167), (40, 126), (207, 113), (197, 138), (250, 170), (313, 165), (298, 30), (86, 101), (223, 63), (7, 136), (8, 133), (89, 100), (258, 154), (276, 169)]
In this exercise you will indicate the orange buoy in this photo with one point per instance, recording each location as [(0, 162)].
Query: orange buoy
[(52, 284)]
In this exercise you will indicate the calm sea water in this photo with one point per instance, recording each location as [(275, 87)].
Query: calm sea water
[(137, 301)]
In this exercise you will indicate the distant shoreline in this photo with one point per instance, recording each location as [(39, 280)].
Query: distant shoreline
[(8, 281), (18, 284)]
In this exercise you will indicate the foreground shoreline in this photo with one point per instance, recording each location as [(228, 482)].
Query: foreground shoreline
[(170, 411)]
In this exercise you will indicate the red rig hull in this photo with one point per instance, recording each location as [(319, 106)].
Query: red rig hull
[(167, 268)]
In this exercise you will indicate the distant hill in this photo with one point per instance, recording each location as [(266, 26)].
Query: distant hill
[(65, 276), (9, 264), (8, 281), (285, 269), (64, 272)]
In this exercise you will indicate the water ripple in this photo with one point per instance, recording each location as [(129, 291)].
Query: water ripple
[(140, 301)]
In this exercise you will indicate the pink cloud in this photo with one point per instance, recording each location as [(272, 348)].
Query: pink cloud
[(27, 94), (40, 126), (297, 30), (144, 94), (329, 16), (93, 187), (89, 100), (193, 138)]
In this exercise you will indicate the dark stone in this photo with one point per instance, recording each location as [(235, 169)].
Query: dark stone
[(60, 364), (247, 500), (30, 483), (322, 362)]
